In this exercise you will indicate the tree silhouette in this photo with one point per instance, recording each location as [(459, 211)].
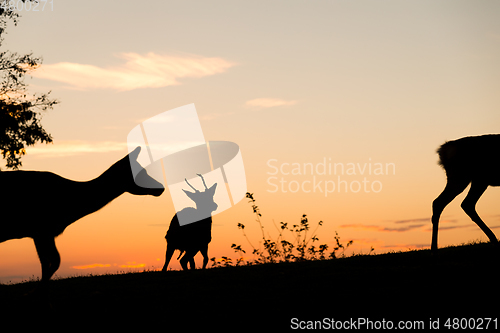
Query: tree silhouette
[(20, 113)]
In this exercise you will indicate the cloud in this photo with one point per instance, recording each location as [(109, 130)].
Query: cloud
[(405, 246), (132, 264), (138, 71), (216, 115), (268, 102), (454, 227), (424, 219), (382, 229), (409, 227), (129, 264), (254, 103), (72, 148)]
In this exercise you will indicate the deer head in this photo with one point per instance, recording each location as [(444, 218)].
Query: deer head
[(148, 185), (204, 200)]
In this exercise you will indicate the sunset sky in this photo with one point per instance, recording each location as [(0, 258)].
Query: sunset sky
[(371, 86)]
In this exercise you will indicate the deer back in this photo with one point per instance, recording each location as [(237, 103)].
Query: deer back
[(190, 235)]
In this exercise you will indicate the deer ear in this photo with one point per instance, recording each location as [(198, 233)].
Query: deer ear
[(212, 189), (135, 153), (191, 195)]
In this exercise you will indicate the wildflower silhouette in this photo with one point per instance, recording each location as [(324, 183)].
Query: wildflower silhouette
[(301, 247)]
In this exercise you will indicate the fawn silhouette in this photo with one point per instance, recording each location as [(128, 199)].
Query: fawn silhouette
[(471, 160), (41, 205), (195, 236)]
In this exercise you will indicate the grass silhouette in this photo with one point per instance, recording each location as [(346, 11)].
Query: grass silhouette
[(287, 279), (459, 282)]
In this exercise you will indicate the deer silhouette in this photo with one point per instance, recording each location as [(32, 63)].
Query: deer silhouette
[(193, 237), (471, 160), (41, 205)]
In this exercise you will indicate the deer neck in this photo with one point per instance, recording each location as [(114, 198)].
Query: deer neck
[(102, 190), (203, 213)]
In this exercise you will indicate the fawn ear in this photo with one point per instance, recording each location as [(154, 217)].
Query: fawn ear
[(135, 153)]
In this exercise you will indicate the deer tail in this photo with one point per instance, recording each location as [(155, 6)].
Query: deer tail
[(447, 154)]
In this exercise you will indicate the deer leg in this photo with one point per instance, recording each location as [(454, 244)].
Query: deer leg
[(168, 256), (204, 253), (188, 257), (469, 207), (48, 255), (192, 264), (453, 187)]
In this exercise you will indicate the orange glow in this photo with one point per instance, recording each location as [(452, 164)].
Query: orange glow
[(132, 265), (356, 84), (91, 266)]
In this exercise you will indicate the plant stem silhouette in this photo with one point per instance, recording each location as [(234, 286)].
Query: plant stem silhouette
[(302, 247)]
